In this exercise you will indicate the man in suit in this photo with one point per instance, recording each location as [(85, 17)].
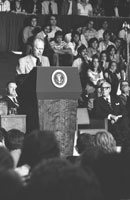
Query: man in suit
[(34, 7), (69, 7), (11, 98), (124, 96), (27, 63), (112, 108)]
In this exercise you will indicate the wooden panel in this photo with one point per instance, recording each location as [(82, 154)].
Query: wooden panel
[(59, 116), (13, 122)]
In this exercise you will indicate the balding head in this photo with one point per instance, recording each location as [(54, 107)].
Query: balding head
[(38, 47)]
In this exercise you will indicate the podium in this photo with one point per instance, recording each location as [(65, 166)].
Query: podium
[(48, 96)]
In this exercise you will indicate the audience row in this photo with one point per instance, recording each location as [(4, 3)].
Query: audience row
[(31, 167), (68, 7)]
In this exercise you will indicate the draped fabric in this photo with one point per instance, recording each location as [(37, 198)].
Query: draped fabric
[(11, 26)]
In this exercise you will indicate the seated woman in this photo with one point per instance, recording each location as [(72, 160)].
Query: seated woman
[(93, 44), (94, 74), (113, 76), (104, 63), (82, 62), (61, 53), (75, 42)]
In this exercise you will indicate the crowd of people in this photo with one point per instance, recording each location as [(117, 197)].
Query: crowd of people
[(31, 167), (117, 8)]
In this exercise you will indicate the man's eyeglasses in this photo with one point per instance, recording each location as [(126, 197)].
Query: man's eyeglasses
[(105, 88)]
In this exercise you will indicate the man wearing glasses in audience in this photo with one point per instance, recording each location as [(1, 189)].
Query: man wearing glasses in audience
[(111, 107)]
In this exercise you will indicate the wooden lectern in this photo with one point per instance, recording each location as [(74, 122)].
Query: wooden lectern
[(48, 97)]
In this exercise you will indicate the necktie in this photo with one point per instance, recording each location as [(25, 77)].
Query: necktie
[(108, 102), (15, 101), (50, 9), (38, 63)]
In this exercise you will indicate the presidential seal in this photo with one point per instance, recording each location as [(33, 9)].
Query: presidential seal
[(59, 78)]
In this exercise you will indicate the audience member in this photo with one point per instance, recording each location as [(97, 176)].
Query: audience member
[(27, 63), (106, 41), (29, 33), (110, 7), (84, 140), (85, 8), (75, 43), (93, 45), (104, 27), (34, 7), (94, 74), (38, 145), (105, 141), (110, 107), (18, 7), (61, 52), (69, 7), (49, 7), (54, 28), (11, 98), (113, 76), (103, 61), (125, 90), (59, 180), (6, 6), (82, 62), (89, 31), (14, 141)]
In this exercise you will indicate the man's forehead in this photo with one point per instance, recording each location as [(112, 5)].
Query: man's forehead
[(105, 84), (12, 85)]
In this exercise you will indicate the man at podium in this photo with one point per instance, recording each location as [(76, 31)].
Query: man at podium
[(27, 63)]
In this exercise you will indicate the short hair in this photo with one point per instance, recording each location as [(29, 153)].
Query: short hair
[(55, 179), (59, 33), (83, 141), (105, 140), (33, 17), (75, 32), (106, 32), (92, 40), (14, 139), (123, 81), (38, 145), (81, 48)]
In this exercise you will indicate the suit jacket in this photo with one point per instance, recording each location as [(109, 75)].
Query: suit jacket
[(31, 7), (27, 63), (65, 7), (102, 109), (10, 103), (123, 99), (120, 129)]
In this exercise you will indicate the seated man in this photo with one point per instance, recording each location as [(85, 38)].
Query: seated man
[(27, 63), (107, 106), (11, 98), (124, 96)]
